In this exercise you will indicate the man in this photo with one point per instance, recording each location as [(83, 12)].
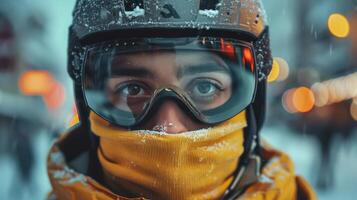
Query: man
[(171, 97)]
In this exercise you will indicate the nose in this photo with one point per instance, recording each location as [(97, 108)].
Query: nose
[(171, 119)]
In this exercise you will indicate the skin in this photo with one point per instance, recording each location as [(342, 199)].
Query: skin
[(165, 68)]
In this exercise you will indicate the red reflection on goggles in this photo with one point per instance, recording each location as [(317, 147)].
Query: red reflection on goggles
[(248, 58), (228, 49)]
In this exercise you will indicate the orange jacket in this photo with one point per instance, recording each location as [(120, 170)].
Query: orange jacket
[(278, 180)]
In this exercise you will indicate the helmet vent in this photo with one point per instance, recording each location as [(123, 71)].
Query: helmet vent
[(210, 4), (131, 5)]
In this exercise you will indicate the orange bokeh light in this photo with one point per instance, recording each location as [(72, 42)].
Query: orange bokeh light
[(42, 83), (56, 97), (287, 101), (35, 83), (303, 99), (275, 71)]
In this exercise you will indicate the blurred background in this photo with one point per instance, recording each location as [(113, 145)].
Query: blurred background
[(312, 108)]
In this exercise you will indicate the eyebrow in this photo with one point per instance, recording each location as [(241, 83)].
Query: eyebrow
[(201, 68), (137, 72)]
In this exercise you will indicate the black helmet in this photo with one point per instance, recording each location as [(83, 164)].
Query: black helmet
[(101, 20)]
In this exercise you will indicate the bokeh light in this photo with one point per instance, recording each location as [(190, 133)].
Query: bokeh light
[(338, 25), (335, 90), (35, 83), (287, 101), (56, 97), (303, 99), (321, 94), (275, 71), (283, 69), (42, 83)]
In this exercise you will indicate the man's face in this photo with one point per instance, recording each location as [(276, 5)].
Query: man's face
[(203, 76)]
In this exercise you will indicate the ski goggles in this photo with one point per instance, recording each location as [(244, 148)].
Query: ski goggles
[(214, 79)]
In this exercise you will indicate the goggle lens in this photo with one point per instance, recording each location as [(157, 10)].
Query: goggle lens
[(214, 78)]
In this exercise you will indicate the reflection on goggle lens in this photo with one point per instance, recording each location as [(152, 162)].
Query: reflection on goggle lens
[(135, 77)]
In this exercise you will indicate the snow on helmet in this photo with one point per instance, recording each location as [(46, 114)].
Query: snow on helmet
[(92, 16)]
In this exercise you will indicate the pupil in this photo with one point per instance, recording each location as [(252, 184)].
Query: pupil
[(204, 88), (133, 90)]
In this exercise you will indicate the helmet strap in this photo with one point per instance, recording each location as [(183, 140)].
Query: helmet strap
[(249, 167), (94, 168)]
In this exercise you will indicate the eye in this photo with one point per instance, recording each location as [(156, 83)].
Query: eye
[(131, 96), (205, 88), (132, 90), (201, 89)]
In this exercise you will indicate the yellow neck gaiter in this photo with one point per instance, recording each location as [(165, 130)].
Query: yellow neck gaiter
[(192, 165)]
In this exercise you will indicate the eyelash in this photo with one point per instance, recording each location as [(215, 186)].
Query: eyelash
[(216, 83), (122, 85)]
